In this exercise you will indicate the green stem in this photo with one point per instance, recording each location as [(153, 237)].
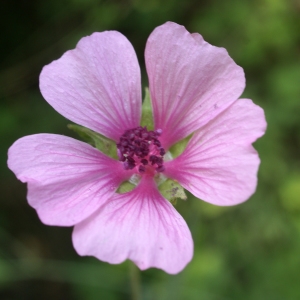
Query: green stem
[(135, 282)]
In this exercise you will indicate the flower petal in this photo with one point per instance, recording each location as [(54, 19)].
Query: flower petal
[(67, 179), (140, 225), (96, 85), (219, 164), (190, 81)]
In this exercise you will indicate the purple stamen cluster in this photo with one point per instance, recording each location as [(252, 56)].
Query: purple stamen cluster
[(140, 147)]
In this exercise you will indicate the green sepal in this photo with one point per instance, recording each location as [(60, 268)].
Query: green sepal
[(172, 191), (125, 187), (179, 147), (147, 114), (102, 143)]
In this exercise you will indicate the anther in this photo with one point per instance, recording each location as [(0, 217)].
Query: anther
[(142, 169), (144, 161), (160, 169), (141, 149)]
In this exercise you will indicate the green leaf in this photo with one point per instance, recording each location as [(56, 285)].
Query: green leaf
[(125, 187), (289, 192), (179, 147), (147, 115), (172, 191), (105, 145)]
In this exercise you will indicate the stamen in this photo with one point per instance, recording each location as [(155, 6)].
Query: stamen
[(141, 149)]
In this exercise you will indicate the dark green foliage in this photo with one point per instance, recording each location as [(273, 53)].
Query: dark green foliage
[(248, 252)]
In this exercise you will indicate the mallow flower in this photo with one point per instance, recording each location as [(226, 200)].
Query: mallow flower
[(118, 192)]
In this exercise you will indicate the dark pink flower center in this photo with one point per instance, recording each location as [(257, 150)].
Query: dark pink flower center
[(141, 149)]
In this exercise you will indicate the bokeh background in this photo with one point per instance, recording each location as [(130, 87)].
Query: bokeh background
[(250, 251)]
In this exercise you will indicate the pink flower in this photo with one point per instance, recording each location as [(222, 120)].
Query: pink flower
[(194, 88)]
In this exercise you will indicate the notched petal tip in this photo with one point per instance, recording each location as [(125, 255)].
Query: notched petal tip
[(67, 179), (140, 226), (97, 84), (190, 81), (220, 164)]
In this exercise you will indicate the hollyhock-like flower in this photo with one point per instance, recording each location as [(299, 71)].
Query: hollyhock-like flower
[(194, 90)]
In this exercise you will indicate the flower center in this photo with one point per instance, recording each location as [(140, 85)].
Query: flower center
[(141, 149)]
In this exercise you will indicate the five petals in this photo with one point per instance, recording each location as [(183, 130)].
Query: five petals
[(194, 88)]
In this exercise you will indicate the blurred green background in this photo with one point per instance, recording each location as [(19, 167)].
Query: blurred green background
[(250, 251)]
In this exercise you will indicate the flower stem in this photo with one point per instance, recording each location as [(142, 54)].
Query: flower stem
[(135, 282)]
